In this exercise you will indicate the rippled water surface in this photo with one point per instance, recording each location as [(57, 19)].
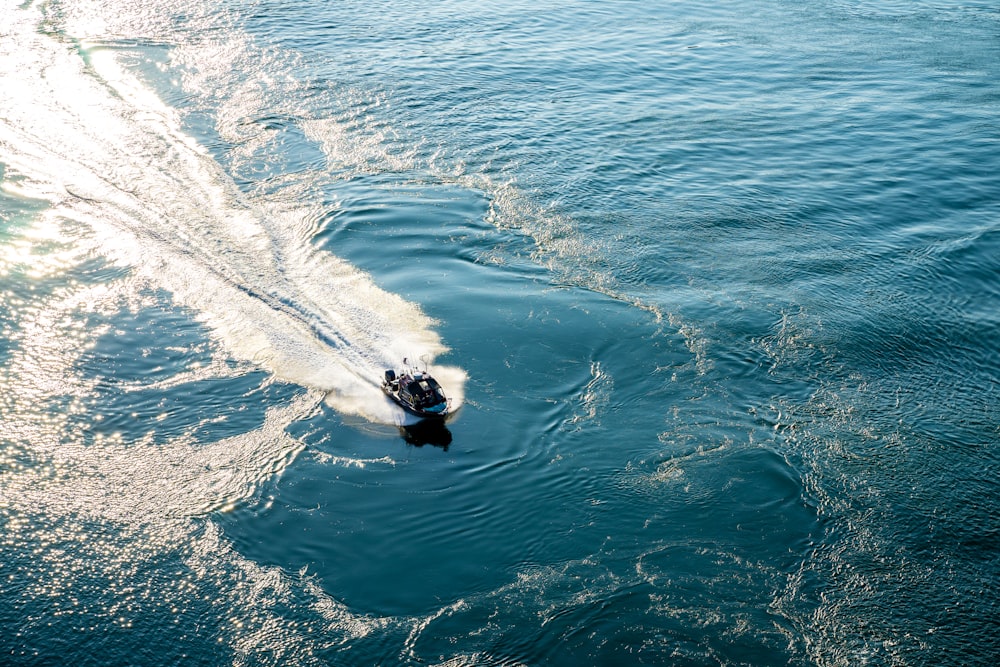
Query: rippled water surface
[(714, 290)]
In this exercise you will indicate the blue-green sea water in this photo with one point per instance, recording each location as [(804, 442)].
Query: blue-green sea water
[(714, 288)]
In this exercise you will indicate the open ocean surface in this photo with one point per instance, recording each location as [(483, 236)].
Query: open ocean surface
[(717, 286)]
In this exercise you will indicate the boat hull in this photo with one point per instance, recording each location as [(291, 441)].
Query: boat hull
[(416, 412)]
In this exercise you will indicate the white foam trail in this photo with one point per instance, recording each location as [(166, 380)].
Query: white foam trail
[(103, 149)]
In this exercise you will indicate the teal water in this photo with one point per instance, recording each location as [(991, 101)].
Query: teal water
[(715, 288)]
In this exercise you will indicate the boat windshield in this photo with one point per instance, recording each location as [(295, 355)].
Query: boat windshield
[(425, 391)]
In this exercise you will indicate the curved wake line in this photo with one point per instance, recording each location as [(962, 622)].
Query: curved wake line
[(83, 126)]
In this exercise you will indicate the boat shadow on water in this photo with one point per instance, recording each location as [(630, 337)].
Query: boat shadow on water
[(427, 432)]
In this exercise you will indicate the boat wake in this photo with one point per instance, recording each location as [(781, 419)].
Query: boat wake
[(79, 131)]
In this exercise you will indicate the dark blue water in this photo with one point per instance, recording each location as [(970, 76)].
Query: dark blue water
[(715, 290)]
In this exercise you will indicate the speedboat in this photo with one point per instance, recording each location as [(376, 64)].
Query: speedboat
[(417, 393)]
